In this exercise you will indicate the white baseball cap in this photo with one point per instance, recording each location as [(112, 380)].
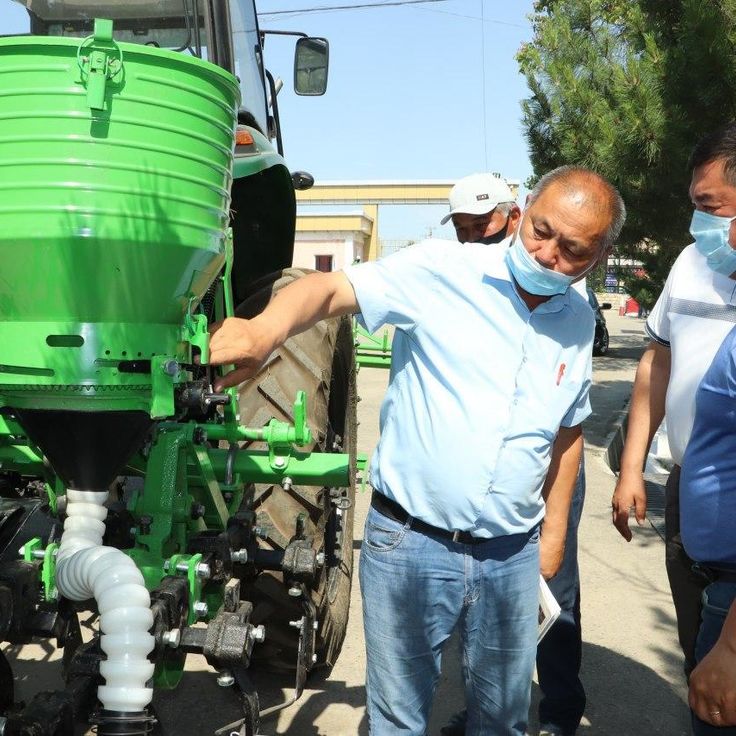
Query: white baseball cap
[(477, 194)]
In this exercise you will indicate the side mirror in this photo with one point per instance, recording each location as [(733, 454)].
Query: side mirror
[(606, 305), (302, 180), (311, 61)]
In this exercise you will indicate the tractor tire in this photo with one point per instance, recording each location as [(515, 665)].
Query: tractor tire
[(321, 362)]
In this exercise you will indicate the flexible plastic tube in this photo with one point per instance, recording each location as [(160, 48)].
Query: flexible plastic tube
[(85, 569)]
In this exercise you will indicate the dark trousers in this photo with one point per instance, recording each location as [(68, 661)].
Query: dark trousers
[(686, 586), (559, 653)]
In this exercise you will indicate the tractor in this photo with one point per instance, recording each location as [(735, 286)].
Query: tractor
[(145, 197)]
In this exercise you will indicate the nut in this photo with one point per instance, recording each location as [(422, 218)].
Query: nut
[(172, 638), (201, 609), (239, 555)]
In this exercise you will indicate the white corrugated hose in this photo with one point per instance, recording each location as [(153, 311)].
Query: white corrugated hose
[(85, 569)]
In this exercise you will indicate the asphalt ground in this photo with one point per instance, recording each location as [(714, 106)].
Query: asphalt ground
[(632, 668)]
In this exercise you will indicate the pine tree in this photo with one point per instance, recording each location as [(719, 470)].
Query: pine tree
[(627, 87)]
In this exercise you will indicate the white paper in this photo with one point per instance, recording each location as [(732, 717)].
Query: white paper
[(549, 609)]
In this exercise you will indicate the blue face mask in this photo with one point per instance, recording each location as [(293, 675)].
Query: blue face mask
[(711, 239), (530, 275)]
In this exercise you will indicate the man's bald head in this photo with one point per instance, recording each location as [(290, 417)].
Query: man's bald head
[(587, 190)]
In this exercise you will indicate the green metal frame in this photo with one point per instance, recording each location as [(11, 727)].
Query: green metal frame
[(78, 300), (371, 350)]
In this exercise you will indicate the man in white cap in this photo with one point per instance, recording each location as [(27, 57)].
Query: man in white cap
[(482, 209)]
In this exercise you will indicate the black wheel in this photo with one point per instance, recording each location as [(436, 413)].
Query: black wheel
[(600, 347), (321, 362)]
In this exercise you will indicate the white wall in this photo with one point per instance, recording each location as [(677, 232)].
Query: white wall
[(343, 251)]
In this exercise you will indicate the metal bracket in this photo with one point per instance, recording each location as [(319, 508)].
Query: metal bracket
[(100, 59), (31, 551), (164, 373), (196, 333), (188, 565), (281, 436)]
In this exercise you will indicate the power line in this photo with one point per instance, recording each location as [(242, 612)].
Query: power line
[(483, 85), (349, 7)]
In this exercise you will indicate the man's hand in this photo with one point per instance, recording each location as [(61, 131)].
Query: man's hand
[(712, 695), (630, 492), (242, 342), (551, 552)]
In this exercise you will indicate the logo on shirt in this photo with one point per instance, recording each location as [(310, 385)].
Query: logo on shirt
[(560, 373)]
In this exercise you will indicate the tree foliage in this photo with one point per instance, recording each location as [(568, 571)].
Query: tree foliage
[(627, 87)]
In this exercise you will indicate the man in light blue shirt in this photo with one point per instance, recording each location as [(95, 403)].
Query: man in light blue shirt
[(482, 210), (480, 441)]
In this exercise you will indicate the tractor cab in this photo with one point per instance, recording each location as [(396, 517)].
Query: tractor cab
[(224, 32)]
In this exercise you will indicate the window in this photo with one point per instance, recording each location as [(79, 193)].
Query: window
[(169, 24), (248, 62), (323, 263)]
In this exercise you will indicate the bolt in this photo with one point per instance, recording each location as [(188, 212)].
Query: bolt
[(203, 570), (201, 609), (199, 436), (295, 591), (198, 510), (240, 555), (172, 638), (170, 367), (315, 625), (259, 633), (314, 659), (296, 624), (320, 559), (225, 678), (279, 462), (145, 522), (286, 483), (134, 530)]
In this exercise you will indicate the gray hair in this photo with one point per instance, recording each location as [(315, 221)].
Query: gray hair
[(505, 208), (574, 178)]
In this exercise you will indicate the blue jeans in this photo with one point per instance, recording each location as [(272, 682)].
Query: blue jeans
[(417, 588), (560, 652), (717, 599)]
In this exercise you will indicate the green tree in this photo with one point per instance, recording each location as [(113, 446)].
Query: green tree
[(627, 87)]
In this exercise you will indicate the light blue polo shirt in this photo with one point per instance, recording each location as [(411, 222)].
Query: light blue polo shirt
[(479, 385)]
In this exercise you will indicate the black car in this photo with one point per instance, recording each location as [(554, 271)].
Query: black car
[(600, 341)]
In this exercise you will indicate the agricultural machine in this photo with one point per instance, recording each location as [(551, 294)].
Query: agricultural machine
[(142, 201)]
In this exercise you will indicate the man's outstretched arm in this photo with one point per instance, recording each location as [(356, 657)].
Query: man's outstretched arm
[(247, 343)]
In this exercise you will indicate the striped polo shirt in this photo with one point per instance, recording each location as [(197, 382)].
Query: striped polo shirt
[(693, 315)]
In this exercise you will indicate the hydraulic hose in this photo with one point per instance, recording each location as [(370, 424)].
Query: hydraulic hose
[(85, 569)]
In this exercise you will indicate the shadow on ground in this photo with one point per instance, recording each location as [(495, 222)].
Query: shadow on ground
[(219, 706), (625, 698)]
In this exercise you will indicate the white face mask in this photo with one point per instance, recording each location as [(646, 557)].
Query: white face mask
[(530, 274)]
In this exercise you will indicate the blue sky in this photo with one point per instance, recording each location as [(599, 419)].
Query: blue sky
[(406, 96), (424, 91)]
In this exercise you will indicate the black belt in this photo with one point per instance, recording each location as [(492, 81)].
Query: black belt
[(713, 574), (393, 510)]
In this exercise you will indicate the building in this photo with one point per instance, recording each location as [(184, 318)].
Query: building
[(328, 241)]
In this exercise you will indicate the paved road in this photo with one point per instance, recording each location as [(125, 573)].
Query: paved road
[(631, 668)]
